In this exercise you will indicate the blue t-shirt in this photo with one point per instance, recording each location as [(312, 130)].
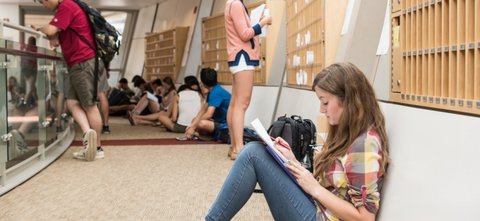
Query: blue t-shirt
[(219, 98)]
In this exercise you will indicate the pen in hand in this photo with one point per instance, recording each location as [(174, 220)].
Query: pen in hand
[(281, 143)]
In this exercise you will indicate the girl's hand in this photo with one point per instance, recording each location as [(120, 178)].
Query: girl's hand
[(304, 178), (266, 20), (284, 148)]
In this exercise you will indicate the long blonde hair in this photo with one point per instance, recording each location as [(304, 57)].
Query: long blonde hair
[(361, 111)]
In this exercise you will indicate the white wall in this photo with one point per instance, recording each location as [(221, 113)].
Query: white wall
[(136, 57), (434, 173), (299, 102), (262, 104), (10, 12), (193, 59)]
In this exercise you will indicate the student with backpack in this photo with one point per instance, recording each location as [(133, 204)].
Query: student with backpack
[(348, 171), (67, 28)]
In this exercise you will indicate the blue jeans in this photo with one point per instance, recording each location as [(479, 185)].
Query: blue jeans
[(254, 164)]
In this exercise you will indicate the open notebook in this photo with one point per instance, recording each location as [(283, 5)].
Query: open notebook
[(262, 133), (281, 160)]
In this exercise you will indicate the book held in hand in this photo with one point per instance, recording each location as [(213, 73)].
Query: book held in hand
[(270, 146)]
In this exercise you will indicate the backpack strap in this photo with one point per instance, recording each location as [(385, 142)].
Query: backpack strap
[(313, 131)]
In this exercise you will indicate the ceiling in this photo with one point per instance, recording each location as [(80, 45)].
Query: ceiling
[(104, 4)]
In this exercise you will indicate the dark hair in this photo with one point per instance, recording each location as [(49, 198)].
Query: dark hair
[(138, 82), (157, 82), (169, 81), (183, 87), (191, 80), (32, 40), (208, 76), (123, 81), (135, 78)]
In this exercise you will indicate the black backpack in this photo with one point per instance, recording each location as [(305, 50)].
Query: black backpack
[(300, 134), (105, 37), (249, 135), (104, 34)]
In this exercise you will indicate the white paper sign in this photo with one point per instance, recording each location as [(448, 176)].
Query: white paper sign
[(307, 38), (298, 40), (298, 77), (255, 16), (310, 57), (296, 60)]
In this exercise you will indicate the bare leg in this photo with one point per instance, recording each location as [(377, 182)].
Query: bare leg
[(146, 119), (153, 106), (150, 117), (86, 118), (206, 127), (241, 96), (141, 122), (141, 105), (166, 121), (230, 126), (103, 107), (127, 107)]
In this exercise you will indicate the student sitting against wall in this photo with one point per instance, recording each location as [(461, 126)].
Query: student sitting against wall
[(168, 92), (349, 169), (213, 114), (119, 99), (140, 87), (185, 106), (150, 101)]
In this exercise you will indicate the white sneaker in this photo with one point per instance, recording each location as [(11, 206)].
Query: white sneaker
[(81, 154), (100, 154), (90, 143)]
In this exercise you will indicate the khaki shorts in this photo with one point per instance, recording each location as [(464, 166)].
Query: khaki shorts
[(177, 128), (81, 77)]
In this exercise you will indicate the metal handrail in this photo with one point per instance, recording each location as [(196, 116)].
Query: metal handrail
[(22, 28), (55, 55)]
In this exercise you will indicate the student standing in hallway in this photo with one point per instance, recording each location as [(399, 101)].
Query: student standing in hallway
[(68, 23), (243, 50)]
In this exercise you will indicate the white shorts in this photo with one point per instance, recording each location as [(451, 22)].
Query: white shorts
[(242, 66)]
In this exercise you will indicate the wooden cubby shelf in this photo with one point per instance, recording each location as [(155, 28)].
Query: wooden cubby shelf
[(435, 57), (313, 32), (164, 53)]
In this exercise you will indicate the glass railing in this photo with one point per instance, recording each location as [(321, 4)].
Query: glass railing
[(34, 128)]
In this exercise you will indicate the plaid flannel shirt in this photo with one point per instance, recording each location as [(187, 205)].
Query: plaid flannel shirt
[(356, 177)]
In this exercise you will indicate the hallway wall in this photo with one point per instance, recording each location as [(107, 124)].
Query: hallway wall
[(170, 14), (10, 12)]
